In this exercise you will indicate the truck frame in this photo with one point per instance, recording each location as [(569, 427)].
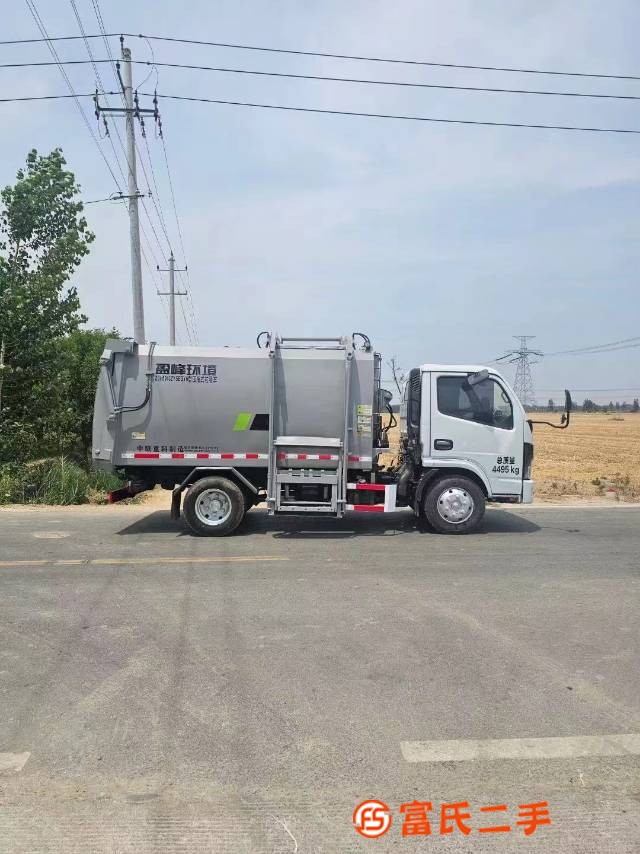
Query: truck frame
[(302, 424)]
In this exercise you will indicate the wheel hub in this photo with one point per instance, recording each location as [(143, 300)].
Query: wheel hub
[(455, 505), (213, 507)]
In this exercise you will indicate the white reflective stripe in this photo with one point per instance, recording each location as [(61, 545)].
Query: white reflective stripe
[(303, 456), (390, 497)]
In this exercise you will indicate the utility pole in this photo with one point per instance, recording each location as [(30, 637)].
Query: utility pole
[(131, 111), (134, 218), (172, 294)]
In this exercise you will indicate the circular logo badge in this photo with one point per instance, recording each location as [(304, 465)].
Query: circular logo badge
[(372, 819)]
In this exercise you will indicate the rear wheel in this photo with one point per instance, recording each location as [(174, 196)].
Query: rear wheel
[(214, 506), (454, 505)]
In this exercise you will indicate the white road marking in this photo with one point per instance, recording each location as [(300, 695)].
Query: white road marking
[(331, 531), (13, 761), (520, 508), (464, 750), (50, 535), (141, 561)]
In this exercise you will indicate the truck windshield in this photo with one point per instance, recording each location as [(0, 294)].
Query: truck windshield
[(486, 402)]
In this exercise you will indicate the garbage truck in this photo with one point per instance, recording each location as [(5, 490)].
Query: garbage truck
[(303, 425)]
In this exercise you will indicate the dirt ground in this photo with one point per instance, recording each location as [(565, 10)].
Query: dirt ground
[(597, 457)]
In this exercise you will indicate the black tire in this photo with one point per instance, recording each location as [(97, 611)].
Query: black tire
[(452, 496), (214, 507)]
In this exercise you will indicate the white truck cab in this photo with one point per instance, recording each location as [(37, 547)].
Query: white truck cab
[(465, 422)]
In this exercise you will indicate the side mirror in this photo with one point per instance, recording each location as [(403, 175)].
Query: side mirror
[(566, 415), (478, 377)]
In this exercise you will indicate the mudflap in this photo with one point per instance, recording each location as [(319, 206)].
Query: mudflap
[(126, 491), (176, 501)]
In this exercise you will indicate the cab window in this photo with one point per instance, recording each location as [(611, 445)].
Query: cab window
[(485, 402)]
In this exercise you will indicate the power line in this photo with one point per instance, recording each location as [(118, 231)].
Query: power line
[(396, 116), (331, 79), (352, 113), (607, 350), (40, 24), (51, 97), (359, 58), (356, 57), (598, 347)]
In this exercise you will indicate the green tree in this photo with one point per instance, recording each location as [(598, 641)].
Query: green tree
[(81, 351), (43, 238), (636, 405), (551, 405)]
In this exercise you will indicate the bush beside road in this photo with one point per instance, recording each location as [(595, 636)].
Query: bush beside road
[(54, 481)]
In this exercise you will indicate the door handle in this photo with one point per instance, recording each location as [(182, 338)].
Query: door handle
[(442, 444)]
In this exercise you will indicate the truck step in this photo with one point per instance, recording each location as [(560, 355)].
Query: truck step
[(325, 509)]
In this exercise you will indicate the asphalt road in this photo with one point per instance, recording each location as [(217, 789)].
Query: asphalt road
[(162, 692)]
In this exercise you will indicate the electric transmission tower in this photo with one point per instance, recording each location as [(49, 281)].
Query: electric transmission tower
[(522, 356)]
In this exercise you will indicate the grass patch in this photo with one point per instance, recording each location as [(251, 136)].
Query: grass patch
[(54, 481)]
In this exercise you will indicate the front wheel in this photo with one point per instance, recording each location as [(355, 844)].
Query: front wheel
[(454, 505), (214, 506)]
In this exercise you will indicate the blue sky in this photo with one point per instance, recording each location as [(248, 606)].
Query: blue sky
[(440, 241)]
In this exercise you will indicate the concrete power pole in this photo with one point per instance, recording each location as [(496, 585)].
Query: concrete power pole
[(131, 111), (134, 218), (172, 294)]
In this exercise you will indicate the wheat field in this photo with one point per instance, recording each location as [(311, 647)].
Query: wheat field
[(596, 457)]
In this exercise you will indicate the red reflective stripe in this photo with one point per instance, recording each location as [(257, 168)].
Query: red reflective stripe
[(368, 508), (370, 487), (180, 455), (324, 456), (353, 458), (301, 456), (281, 455)]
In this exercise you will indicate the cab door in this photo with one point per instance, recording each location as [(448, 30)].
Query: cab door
[(477, 421)]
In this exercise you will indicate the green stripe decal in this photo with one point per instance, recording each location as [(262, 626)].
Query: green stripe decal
[(243, 421)]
